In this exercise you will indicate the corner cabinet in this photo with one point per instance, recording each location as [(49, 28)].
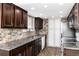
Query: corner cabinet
[(13, 16), (7, 15), (38, 23)]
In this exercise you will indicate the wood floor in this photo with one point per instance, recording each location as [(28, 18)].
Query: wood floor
[(49, 51)]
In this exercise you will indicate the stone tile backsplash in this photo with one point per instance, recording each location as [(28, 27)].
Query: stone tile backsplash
[(7, 35)]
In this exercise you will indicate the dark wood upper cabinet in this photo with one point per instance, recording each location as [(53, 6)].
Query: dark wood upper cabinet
[(13, 16), (37, 46), (76, 16), (18, 17), (73, 18), (38, 23), (7, 15), (24, 19)]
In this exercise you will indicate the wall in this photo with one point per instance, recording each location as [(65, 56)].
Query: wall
[(65, 30), (77, 35), (57, 32), (51, 30), (31, 23), (45, 27), (56, 28), (54, 33)]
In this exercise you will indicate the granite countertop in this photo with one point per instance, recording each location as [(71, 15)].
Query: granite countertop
[(72, 47), (16, 43)]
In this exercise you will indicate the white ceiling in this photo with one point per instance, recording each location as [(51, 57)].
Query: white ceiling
[(53, 9)]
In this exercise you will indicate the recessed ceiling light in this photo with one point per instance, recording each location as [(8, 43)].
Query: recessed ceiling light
[(32, 8), (61, 16), (45, 17), (45, 6), (52, 16), (61, 12), (41, 14), (60, 3)]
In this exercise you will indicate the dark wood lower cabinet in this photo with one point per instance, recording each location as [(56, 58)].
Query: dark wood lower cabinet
[(71, 52), (37, 46), (12, 16), (30, 49), (19, 51)]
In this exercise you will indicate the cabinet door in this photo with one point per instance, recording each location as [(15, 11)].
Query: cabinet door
[(37, 46), (30, 51), (18, 17), (67, 52), (24, 21), (38, 23), (19, 51), (41, 24), (7, 15), (30, 48), (76, 18)]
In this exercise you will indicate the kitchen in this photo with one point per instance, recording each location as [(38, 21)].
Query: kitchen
[(15, 38), (24, 33)]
